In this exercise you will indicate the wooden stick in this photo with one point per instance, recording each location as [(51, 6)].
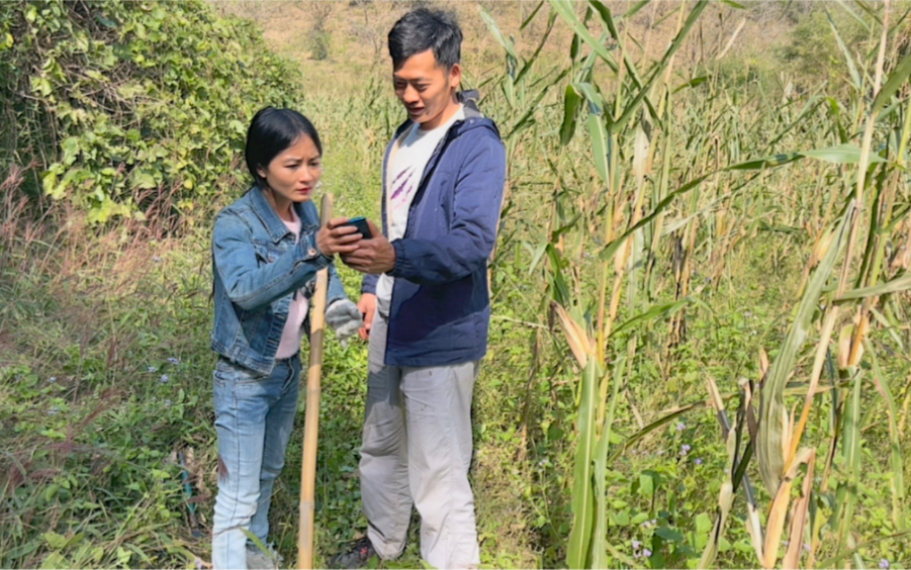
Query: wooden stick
[(311, 418)]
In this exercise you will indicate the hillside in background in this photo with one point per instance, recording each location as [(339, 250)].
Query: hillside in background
[(338, 45)]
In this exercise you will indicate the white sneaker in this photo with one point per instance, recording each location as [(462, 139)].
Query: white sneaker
[(259, 560)]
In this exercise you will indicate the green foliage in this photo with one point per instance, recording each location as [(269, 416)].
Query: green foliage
[(812, 51), (319, 45), (130, 107)]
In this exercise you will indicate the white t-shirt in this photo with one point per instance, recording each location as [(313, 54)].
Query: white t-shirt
[(409, 158), (293, 333)]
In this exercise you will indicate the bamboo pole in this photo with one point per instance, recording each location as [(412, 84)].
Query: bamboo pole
[(311, 418)]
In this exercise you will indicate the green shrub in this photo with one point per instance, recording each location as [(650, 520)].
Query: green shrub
[(120, 106), (813, 53)]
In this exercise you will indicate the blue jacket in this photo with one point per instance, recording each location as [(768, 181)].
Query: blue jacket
[(440, 308), (256, 268)]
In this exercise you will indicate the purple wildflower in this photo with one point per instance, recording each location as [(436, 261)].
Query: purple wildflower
[(164, 378), (698, 461), (636, 544), (681, 426), (884, 564), (52, 379), (173, 360), (152, 369), (646, 552)]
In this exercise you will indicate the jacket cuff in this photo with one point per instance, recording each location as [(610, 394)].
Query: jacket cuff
[(368, 284), (402, 267)]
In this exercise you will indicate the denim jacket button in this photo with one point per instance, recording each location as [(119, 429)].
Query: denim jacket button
[(311, 252)]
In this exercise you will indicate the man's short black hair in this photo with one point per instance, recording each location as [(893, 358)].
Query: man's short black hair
[(423, 29)]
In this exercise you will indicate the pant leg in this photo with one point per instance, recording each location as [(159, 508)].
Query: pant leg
[(242, 401), (438, 421), (383, 466), (278, 429)]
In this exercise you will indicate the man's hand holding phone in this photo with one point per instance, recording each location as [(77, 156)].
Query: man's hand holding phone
[(375, 255)]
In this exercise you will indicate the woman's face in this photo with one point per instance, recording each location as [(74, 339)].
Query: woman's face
[(294, 172)]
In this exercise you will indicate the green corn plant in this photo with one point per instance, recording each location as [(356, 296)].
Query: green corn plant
[(665, 177), (776, 430), (735, 475), (778, 442), (610, 128)]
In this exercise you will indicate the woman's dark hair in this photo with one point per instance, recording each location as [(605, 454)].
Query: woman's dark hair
[(423, 29), (272, 131)]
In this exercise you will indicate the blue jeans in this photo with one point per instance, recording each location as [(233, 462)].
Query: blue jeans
[(254, 416)]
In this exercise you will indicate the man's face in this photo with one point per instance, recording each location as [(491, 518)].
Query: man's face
[(426, 88)]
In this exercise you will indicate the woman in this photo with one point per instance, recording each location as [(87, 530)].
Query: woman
[(267, 248)]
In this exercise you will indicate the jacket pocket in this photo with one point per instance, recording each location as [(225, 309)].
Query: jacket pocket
[(266, 251)]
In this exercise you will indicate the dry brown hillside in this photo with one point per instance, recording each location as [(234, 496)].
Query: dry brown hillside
[(342, 44)]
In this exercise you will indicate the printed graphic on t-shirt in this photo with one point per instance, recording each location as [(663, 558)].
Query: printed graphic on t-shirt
[(403, 188)]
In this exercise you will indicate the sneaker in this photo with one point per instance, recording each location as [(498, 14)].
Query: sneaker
[(259, 560), (359, 552)]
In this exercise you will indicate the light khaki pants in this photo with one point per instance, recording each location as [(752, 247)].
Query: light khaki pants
[(417, 450)]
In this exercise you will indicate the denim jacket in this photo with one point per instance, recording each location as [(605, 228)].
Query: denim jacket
[(257, 267)]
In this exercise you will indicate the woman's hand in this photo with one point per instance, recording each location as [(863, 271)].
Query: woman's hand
[(337, 237), (375, 255)]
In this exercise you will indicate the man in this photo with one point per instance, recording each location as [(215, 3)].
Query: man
[(426, 303)]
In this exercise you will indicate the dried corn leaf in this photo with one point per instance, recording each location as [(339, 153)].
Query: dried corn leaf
[(579, 341)]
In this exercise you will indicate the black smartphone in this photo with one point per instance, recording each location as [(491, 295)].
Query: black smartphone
[(362, 228)]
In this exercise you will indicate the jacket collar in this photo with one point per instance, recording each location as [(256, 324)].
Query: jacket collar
[(269, 217), (469, 100)]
